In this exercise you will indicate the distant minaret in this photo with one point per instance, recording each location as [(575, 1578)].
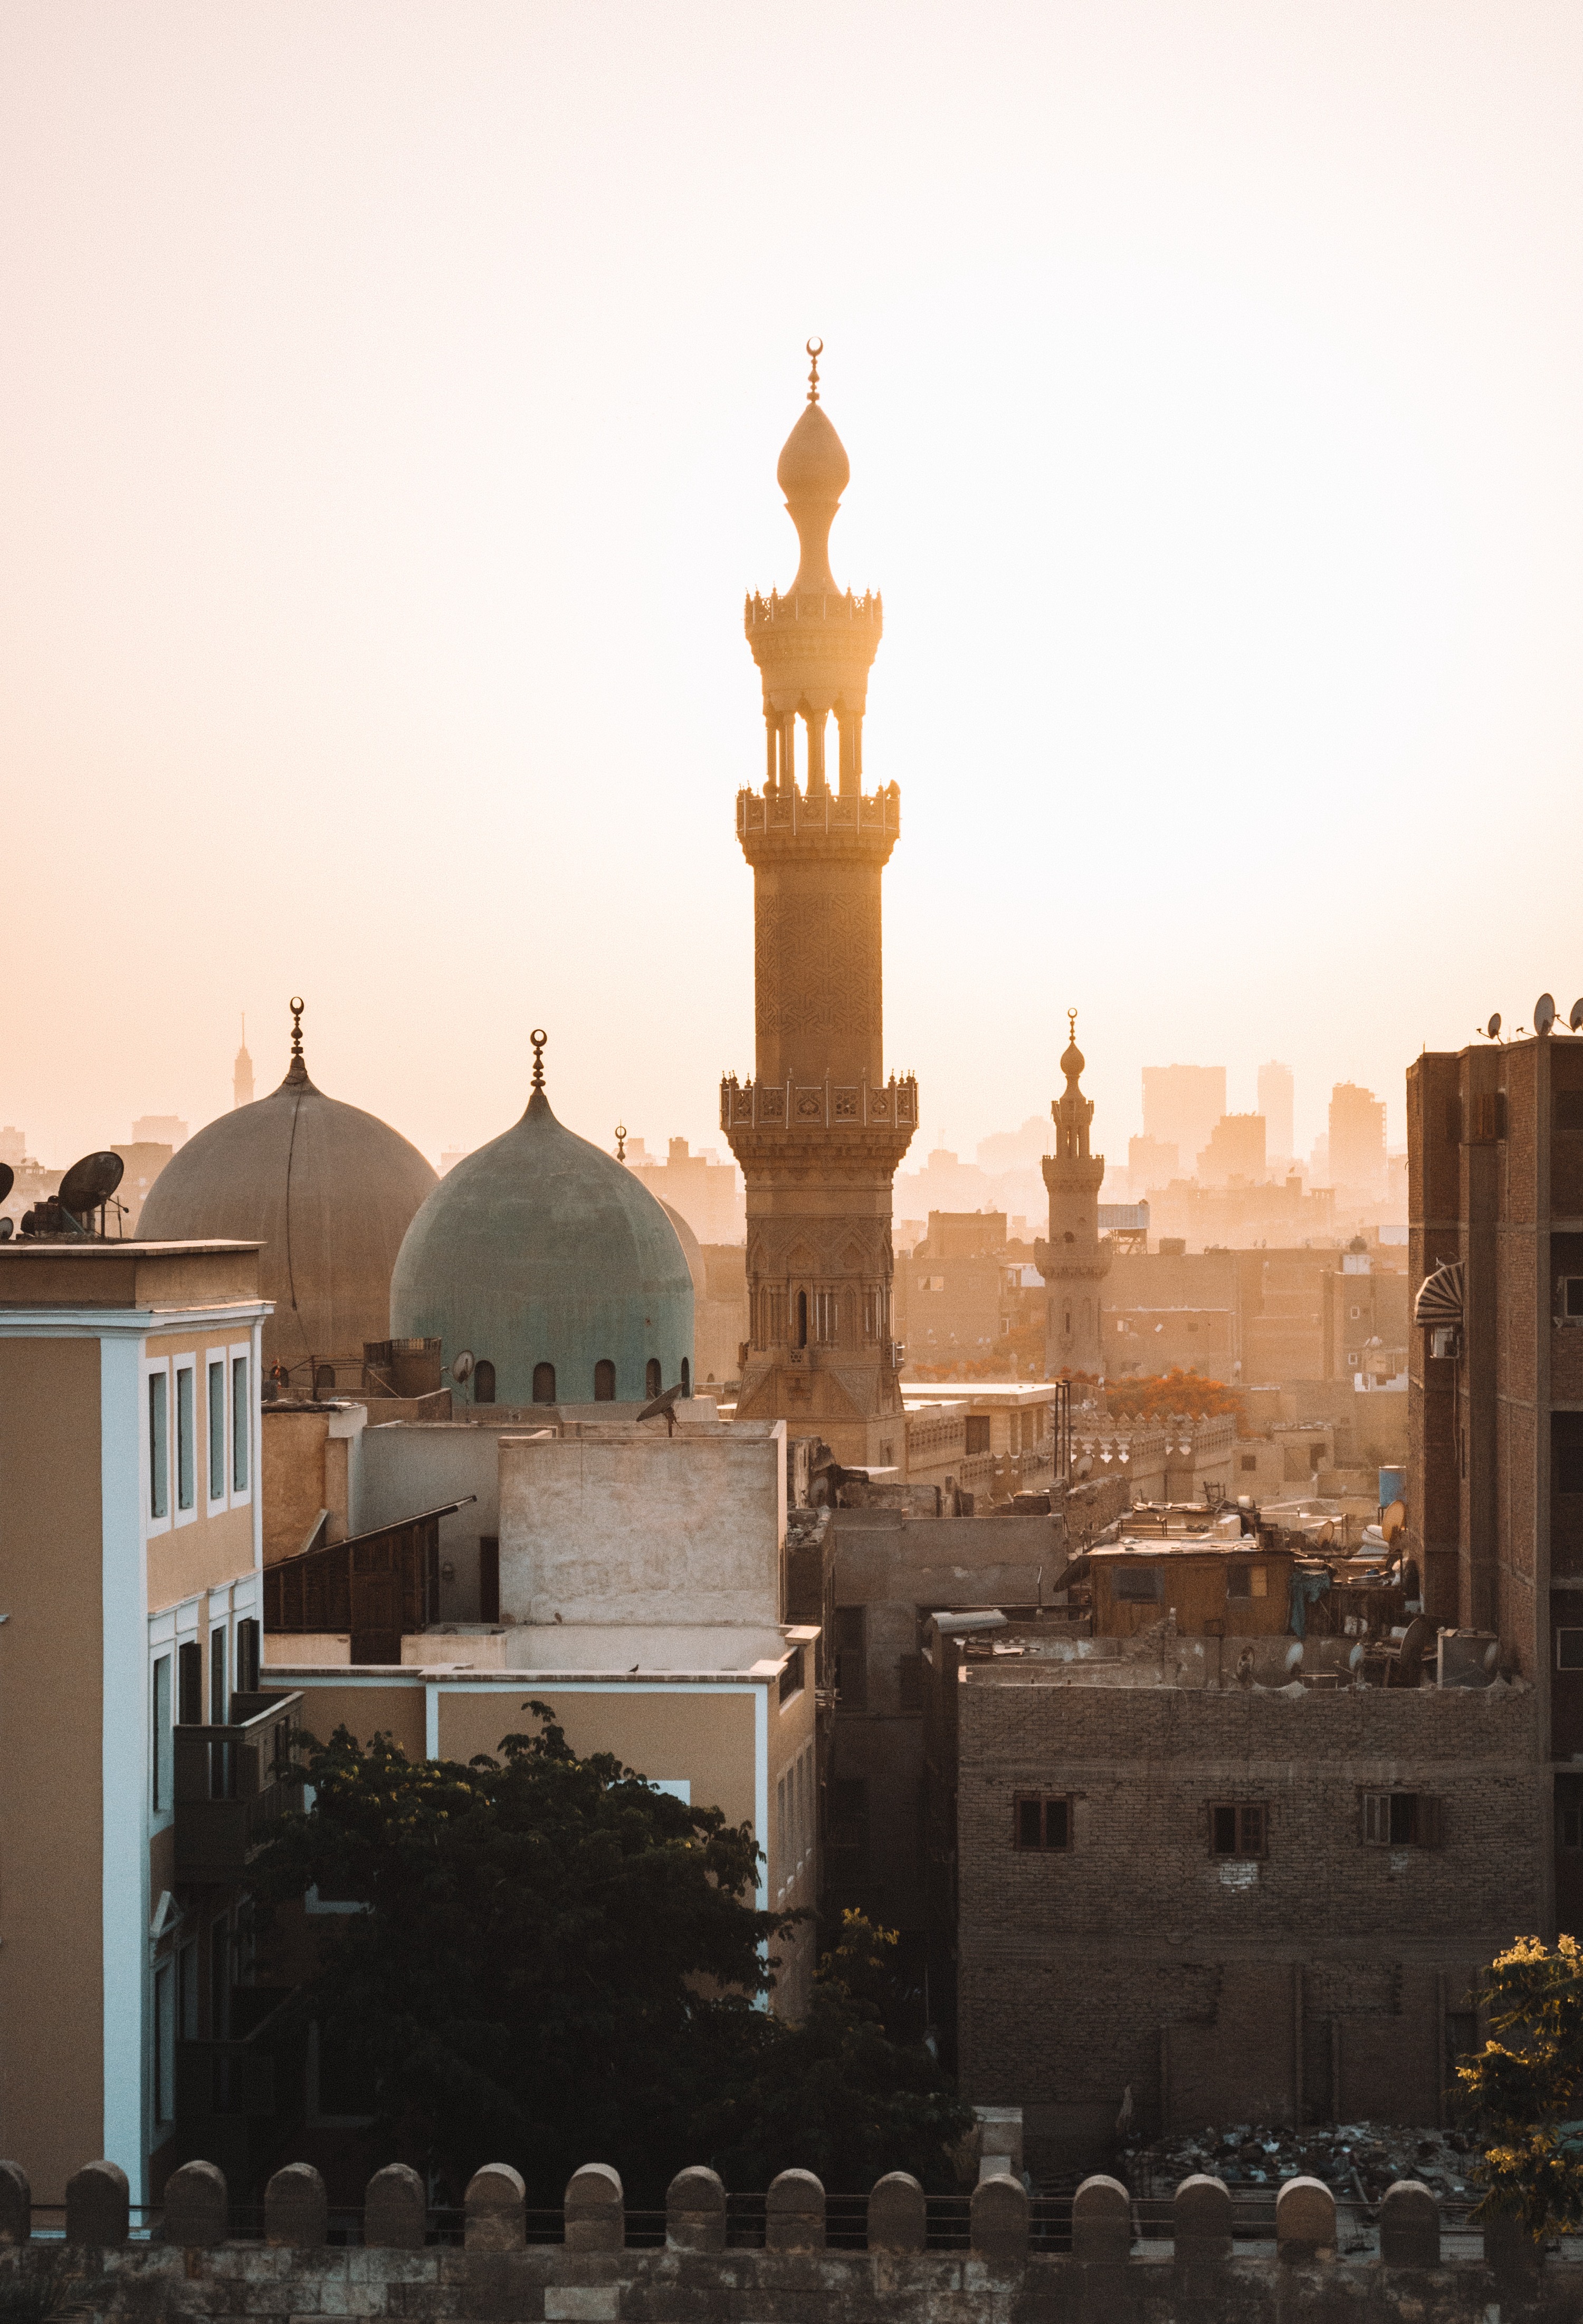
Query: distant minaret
[(242, 1075), (1074, 1262)]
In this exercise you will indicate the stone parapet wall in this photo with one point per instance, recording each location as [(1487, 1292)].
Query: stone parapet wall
[(191, 2268)]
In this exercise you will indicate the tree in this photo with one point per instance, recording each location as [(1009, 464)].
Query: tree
[(1526, 2085), (556, 1965), (1159, 1396)]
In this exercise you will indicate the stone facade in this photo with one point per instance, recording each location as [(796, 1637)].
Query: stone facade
[(1080, 2262), (1314, 1975), (818, 1130)]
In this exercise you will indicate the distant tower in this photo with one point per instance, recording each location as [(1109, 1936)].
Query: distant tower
[(1074, 1262), (242, 1073), (1275, 1105), (818, 1131)]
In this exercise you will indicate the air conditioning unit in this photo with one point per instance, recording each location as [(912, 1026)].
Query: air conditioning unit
[(1444, 1342)]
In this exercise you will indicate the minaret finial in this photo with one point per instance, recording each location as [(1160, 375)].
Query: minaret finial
[(538, 1038), (816, 348), (1071, 1024), (298, 1005), (621, 1141)]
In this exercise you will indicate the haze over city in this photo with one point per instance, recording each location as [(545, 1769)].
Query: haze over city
[(388, 440)]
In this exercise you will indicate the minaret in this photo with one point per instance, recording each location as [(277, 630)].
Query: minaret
[(1074, 1262), (242, 1073), (818, 1131)]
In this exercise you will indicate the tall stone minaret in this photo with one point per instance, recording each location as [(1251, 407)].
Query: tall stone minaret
[(818, 1131), (1074, 1262), (242, 1073)]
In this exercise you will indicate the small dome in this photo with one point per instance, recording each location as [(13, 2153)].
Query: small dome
[(328, 1189), (1072, 1061), (813, 464), (540, 1249)]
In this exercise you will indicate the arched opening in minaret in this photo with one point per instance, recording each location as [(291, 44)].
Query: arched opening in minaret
[(803, 1319), (483, 1381), (543, 1383), (652, 1379), (685, 1377), (603, 1381)]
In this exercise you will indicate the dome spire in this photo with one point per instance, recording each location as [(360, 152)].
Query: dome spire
[(1072, 1058), (296, 1071), (816, 348), (538, 1099)]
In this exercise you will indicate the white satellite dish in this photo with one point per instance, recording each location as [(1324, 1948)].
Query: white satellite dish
[(1494, 1026), (1575, 1018), (1544, 1013), (461, 1367)]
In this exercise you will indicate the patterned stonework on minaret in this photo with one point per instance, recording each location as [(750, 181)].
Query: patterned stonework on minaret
[(1074, 1262), (818, 1131)]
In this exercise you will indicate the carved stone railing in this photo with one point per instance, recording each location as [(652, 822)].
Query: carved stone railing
[(825, 812), (769, 612), (819, 1105)]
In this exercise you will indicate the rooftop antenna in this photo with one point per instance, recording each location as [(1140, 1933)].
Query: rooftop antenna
[(1544, 1013), (816, 348)]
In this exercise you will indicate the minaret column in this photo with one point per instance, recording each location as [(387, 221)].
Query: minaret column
[(814, 719)]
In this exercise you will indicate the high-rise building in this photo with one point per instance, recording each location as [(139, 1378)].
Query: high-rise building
[(159, 1130), (818, 1130), (1074, 1262), (1182, 1103), (242, 1073), (1276, 1090), (1357, 1140), (1235, 1150)]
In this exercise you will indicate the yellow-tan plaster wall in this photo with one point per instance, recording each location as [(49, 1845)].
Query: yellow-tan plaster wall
[(292, 1476), (707, 1738), (51, 1853)]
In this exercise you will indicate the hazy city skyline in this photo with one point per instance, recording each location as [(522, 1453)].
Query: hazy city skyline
[(388, 446)]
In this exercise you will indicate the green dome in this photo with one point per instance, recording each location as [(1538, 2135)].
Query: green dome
[(539, 1250)]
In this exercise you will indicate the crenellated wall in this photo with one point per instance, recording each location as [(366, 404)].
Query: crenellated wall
[(189, 2267)]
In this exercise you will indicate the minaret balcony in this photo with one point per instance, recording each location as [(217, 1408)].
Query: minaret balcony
[(820, 1105), (843, 606), (856, 823)]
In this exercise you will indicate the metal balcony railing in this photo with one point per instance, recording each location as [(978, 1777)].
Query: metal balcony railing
[(231, 1783)]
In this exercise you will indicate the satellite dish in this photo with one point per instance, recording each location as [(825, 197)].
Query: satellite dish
[(1494, 1026), (461, 1366), (1356, 1657), (1544, 1013), (7, 1179), (1294, 1655), (90, 1183), (7, 1227), (1395, 1518), (1575, 1018)]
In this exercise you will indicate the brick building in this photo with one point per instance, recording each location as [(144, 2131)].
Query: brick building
[(1495, 1389), (1242, 1903)]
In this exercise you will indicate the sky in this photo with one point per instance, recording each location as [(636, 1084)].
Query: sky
[(389, 410)]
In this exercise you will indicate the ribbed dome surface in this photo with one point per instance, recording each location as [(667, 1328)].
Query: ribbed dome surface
[(328, 1189), (541, 1249)]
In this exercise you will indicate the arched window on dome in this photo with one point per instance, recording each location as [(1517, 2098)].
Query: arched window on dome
[(543, 1383), (324, 1380), (603, 1381), (652, 1381), (483, 1381), (685, 1377)]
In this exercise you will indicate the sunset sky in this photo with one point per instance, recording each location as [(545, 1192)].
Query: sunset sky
[(389, 413)]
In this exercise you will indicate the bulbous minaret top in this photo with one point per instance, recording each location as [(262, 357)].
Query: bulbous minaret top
[(813, 472), (1072, 1113)]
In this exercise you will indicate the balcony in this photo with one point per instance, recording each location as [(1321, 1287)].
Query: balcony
[(233, 1784)]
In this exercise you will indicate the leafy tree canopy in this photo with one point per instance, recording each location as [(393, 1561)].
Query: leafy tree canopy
[(557, 1965), (1526, 2085), (1155, 1395)]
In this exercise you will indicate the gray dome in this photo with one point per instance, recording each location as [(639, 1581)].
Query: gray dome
[(328, 1189), (541, 1250)]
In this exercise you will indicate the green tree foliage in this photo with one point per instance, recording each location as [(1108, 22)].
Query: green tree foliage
[(557, 1965), (1526, 2086)]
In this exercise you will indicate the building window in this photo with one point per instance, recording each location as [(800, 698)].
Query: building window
[(1250, 1462), (241, 1423), (1569, 1826), (1248, 1582), (190, 1684), (1041, 1823), (215, 1377), (219, 1702), (159, 1446), (977, 1439), (247, 1656), (803, 1319), (603, 1381), (852, 1656), (544, 1384), (791, 1679), (1136, 1585), (1570, 1650), (1571, 1289), (652, 1378), (164, 2076), (324, 1381), (162, 1752), (1236, 1829), (186, 1439), (484, 1383), (489, 1577), (1401, 1820), (1569, 1105)]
